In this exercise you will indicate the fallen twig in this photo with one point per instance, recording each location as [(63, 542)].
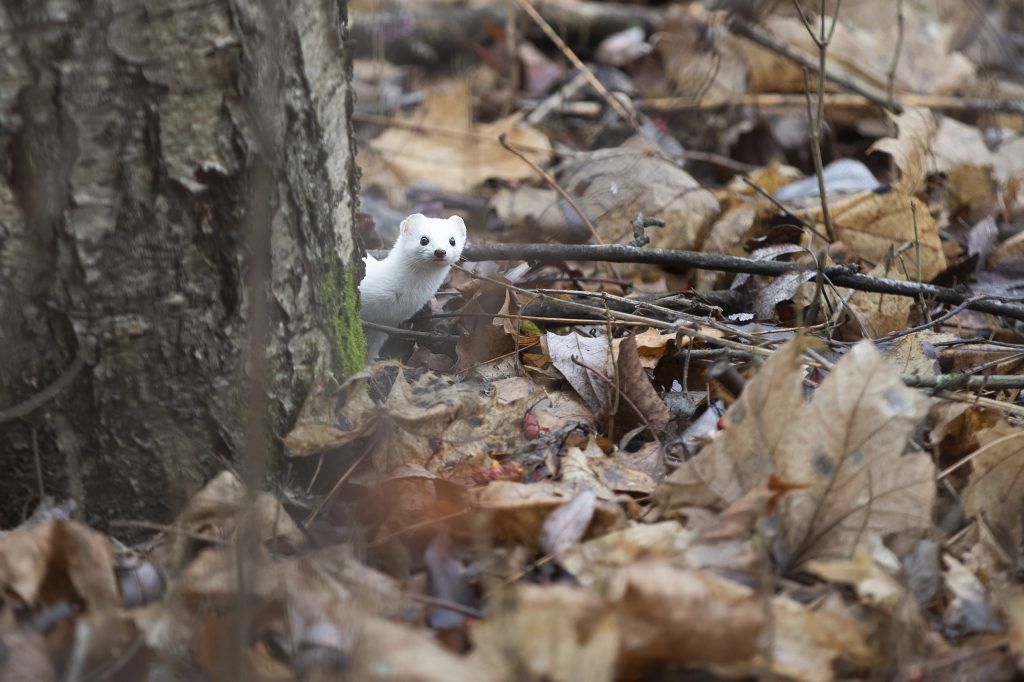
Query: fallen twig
[(953, 382), (838, 275), (832, 100)]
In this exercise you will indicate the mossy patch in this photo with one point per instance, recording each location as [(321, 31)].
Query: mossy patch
[(339, 295)]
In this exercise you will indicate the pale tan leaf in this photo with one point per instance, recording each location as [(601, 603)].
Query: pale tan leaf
[(845, 447), (875, 224), (996, 485), (613, 185), (757, 427), (551, 632), (586, 363), (659, 604), (874, 585), (876, 314), (565, 526), (958, 144), (651, 346), (449, 152), (594, 560), (848, 447), (807, 642)]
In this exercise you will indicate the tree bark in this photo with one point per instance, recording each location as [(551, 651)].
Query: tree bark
[(158, 153)]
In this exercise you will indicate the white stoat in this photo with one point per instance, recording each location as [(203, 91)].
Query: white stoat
[(396, 287)]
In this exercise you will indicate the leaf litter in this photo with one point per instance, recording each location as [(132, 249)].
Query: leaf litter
[(550, 482)]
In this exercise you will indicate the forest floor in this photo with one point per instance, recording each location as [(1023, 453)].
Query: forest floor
[(676, 415)]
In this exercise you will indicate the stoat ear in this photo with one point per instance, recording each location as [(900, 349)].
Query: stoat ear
[(410, 222), (459, 224)]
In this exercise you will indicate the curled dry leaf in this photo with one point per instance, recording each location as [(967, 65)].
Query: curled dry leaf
[(565, 527), (58, 561), (910, 148), (651, 346), (846, 446)]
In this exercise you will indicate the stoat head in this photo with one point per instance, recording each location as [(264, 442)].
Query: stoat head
[(436, 241)]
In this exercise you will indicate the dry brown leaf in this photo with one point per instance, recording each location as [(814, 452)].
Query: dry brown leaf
[(386, 651), (862, 47), (846, 446), (26, 658), (55, 561), (807, 642), (459, 160), (968, 610), (593, 560), (958, 144), (658, 603), (874, 224), (995, 488), (916, 354), (579, 467), (1008, 258), (637, 392), (427, 425), (533, 212)]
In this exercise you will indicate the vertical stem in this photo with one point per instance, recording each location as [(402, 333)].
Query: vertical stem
[(822, 40), (890, 90)]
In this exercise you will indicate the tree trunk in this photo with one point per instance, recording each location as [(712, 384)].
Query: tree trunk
[(158, 155)]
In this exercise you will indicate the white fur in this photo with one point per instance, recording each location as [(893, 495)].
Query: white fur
[(398, 286)]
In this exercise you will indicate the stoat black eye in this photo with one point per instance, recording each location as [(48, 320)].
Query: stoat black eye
[(451, 240), (424, 241)]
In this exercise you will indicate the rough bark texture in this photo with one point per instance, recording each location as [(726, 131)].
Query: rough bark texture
[(134, 132)]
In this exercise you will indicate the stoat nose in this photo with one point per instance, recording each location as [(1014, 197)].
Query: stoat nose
[(438, 253)]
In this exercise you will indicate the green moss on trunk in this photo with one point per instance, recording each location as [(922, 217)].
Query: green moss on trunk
[(340, 297)]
